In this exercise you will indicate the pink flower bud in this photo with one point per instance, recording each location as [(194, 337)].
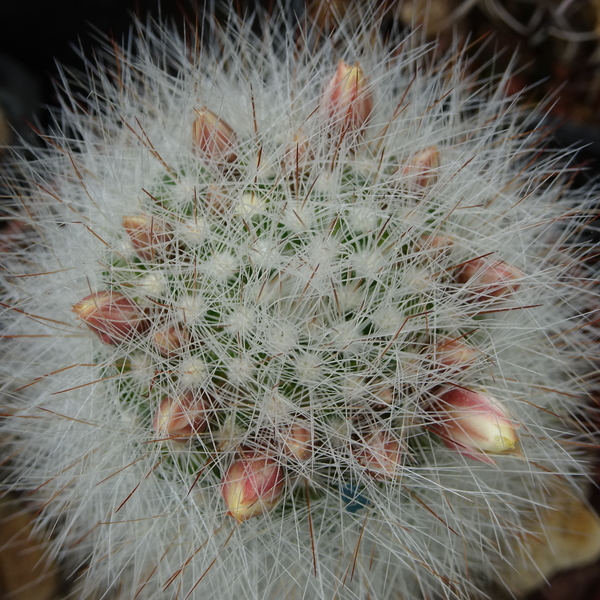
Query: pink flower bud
[(381, 397), (434, 245), (473, 424), (298, 154), (182, 416), (454, 354), (252, 485), (298, 441), (420, 172), (380, 454), (169, 340), (213, 136), (327, 15), (347, 99), (217, 200), (148, 235), (111, 316), (487, 279)]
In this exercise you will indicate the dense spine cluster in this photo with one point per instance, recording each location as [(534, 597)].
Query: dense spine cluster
[(294, 319)]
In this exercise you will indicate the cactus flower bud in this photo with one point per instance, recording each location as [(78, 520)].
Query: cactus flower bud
[(183, 416), (494, 279), (298, 442), (169, 340), (420, 172), (380, 454), (474, 424), (147, 235), (217, 200), (213, 136), (111, 316), (382, 397), (348, 99), (454, 354), (298, 154), (252, 485), (434, 245)]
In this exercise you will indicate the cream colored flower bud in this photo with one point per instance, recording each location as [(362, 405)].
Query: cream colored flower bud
[(298, 441), (382, 396), (490, 279), (213, 136), (149, 236), (380, 454), (328, 15), (217, 199), (252, 485), (181, 417), (421, 171), (454, 353), (113, 317), (170, 339), (347, 99), (434, 245), (474, 424), (299, 154)]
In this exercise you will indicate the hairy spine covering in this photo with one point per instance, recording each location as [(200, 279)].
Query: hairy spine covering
[(293, 316)]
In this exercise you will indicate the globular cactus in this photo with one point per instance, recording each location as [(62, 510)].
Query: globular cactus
[(294, 316)]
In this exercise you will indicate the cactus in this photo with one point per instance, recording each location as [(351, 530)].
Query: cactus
[(294, 316)]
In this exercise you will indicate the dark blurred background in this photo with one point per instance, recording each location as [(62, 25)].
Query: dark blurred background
[(557, 42), (35, 34)]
